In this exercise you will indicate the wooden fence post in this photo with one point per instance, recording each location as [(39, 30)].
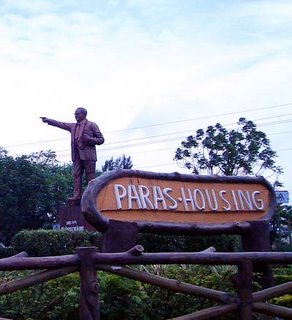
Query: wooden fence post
[(120, 236), (88, 304), (257, 239), (243, 285)]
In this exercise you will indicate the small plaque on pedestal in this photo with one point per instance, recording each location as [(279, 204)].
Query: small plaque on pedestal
[(71, 218)]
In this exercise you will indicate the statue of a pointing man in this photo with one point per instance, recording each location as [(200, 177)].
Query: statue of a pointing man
[(85, 135)]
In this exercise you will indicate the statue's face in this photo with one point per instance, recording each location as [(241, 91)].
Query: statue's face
[(79, 115)]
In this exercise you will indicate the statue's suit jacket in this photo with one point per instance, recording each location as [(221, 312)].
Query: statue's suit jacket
[(87, 150)]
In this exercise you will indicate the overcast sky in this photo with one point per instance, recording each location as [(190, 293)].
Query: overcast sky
[(149, 72)]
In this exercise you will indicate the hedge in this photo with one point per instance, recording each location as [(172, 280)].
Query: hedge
[(40, 243)]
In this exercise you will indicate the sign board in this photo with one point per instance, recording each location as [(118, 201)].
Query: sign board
[(161, 199), (282, 196)]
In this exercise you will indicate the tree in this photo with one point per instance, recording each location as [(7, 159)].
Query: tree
[(32, 187), (120, 162), (240, 151), (281, 227), (3, 152)]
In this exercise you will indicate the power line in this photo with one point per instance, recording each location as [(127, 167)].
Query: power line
[(173, 163), (131, 145), (163, 149), (171, 122), (286, 149), (203, 117), (186, 131), (153, 150), (139, 143)]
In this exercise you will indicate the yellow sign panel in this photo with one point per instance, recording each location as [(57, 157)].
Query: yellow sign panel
[(165, 199)]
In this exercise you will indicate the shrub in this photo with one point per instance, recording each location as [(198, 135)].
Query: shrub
[(6, 252), (52, 243), (188, 243), (55, 299), (121, 298)]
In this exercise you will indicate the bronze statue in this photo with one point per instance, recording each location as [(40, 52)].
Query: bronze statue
[(84, 136)]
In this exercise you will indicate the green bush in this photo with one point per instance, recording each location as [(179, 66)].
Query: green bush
[(55, 299), (283, 274), (282, 247), (121, 298), (52, 243), (126, 299), (188, 243), (6, 252)]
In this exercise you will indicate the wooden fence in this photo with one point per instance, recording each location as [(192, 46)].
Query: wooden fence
[(88, 260)]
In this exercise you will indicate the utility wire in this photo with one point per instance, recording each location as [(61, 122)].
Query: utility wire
[(204, 117), (141, 151), (172, 122), (173, 163), (131, 145), (138, 140), (186, 131)]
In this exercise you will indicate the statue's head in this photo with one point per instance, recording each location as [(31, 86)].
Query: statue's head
[(80, 114)]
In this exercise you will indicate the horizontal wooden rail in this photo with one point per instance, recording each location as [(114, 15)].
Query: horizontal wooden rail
[(170, 284), (273, 292), (193, 258), (88, 260), (35, 279), (212, 312), (136, 257), (33, 263), (272, 310)]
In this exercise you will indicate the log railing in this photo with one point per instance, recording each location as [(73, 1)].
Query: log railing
[(87, 261)]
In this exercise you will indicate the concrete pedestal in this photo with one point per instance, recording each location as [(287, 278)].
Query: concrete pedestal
[(70, 217)]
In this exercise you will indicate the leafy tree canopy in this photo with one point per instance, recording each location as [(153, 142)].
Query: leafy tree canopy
[(281, 227), (32, 187), (216, 150), (122, 162)]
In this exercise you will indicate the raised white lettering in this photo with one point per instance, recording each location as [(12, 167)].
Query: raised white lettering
[(144, 197), (202, 199), (120, 193), (227, 205), (258, 203), (133, 196), (213, 204), (245, 200), (166, 192), (185, 200), (158, 197), (235, 200)]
